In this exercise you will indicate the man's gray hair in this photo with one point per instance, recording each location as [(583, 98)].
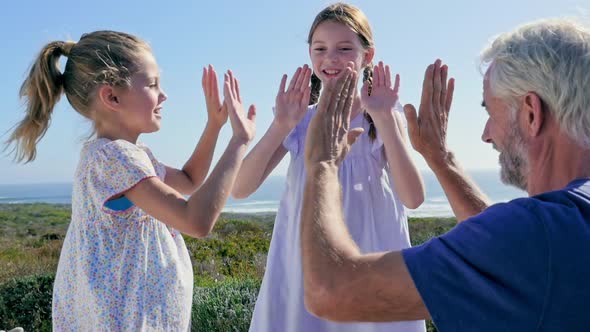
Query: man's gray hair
[(552, 59)]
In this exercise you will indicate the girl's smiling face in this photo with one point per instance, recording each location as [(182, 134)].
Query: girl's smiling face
[(142, 101), (333, 46)]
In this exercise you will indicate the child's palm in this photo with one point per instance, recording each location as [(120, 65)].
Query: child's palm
[(243, 125), (216, 111), (291, 105), (383, 96)]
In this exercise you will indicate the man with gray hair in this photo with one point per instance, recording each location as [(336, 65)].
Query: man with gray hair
[(516, 266)]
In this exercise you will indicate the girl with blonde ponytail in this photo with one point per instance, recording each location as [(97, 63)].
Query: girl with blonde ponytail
[(378, 178), (124, 265)]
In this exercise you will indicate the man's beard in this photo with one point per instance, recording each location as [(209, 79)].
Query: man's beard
[(514, 160)]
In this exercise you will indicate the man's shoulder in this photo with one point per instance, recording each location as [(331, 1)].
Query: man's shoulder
[(570, 199), (576, 192)]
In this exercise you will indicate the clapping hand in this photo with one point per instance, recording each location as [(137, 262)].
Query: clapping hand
[(428, 129), (242, 124), (328, 136), (382, 97), (216, 111), (291, 105)]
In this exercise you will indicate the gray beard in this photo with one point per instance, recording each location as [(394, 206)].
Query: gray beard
[(514, 161)]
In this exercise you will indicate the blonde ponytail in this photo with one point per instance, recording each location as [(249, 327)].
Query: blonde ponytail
[(41, 91)]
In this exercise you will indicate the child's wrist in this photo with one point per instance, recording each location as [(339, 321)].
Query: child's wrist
[(214, 126), (282, 126), (381, 115)]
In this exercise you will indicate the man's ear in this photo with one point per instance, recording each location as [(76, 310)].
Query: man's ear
[(109, 97), (534, 111), (369, 54)]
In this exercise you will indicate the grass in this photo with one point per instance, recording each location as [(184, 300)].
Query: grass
[(228, 264)]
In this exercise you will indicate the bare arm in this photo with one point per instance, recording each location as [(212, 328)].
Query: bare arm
[(261, 161), (193, 173), (291, 106), (428, 131), (197, 216), (339, 282), (406, 178)]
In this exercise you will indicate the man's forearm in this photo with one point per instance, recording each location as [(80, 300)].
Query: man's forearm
[(326, 242), (340, 284), (464, 195)]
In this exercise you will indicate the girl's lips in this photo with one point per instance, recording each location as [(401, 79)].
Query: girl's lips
[(331, 72)]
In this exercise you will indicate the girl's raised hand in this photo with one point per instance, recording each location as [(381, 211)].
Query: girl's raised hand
[(291, 105), (216, 111), (383, 96), (243, 125)]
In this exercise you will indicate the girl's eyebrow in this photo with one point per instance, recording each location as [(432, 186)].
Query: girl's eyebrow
[(340, 42)]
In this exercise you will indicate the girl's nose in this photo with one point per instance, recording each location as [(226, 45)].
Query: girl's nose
[(332, 56)]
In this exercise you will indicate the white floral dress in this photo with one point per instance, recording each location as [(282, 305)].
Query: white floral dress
[(120, 269)]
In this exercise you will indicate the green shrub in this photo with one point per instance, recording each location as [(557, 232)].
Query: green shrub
[(26, 302), (227, 307)]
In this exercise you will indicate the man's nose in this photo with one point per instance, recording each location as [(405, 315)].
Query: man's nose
[(485, 136)]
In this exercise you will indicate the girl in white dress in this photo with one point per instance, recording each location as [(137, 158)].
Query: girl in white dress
[(378, 177), (124, 265)]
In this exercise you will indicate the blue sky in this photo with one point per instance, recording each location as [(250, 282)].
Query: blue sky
[(259, 41)]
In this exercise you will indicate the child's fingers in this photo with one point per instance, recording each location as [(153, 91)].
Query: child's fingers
[(204, 81), (381, 74), (283, 84), (237, 87), (213, 80), (227, 89), (305, 97), (232, 82), (396, 84), (301, 78), (294, 79), (365, 89), (252, 113), (387, 76), (307, 78), (375, 76)]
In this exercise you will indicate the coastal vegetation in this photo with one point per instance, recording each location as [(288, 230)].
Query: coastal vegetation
[(228, 265)]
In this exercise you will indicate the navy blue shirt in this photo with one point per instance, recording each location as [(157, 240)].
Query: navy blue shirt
[(517, 266)]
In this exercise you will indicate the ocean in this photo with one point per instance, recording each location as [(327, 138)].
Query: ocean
[(266, 198)]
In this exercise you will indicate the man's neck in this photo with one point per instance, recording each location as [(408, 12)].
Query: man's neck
[(554, 162)]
